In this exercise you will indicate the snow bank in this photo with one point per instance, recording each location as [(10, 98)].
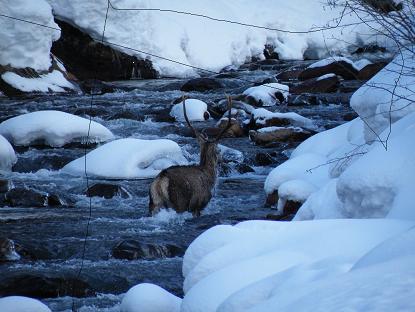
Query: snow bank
[(7, 155), (279, 257), (22, 304), (211, 44), (265, 93), (128, 159), (26, 45), (149, 298), (261, 115), (196, 110), (55, 128), (51, 82), (389, 95)]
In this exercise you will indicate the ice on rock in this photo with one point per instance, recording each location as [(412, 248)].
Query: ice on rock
[(149, 298), (261, 115), (54, 128), (22, 304), (7, 155), (266, 94), (196, 110), (128, 159)]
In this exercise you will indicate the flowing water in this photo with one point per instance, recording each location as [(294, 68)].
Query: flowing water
[(56, 235)]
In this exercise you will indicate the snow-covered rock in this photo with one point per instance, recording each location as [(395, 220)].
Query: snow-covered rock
[(7, 155), (388, 96), (267, 94), (196, 110), (284, 262), (149, 298), (212, 44), (54, 128), (23, 44), (128, 159), (22, 304), (261, 117), (50, 82)]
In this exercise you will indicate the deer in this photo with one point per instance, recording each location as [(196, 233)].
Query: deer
[(189, 188)]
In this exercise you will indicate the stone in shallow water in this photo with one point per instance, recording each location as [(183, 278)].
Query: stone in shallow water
[(5, 185), (107, 191), (8, 250), (201, 85), (37, 286), (25, 197), (278, 135), (132, 250)]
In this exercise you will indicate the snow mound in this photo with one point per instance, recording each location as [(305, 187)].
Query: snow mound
[(7, 155), (330, 60), (128, 159), (196, 110), (26, 45), (149, 298), (266, 93), (277, 257), (211, 44), (261, 116), (388, 96), (50, 82), (54, 128), (22, 304)]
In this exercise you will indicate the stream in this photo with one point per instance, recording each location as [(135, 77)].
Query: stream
[(55, 236)]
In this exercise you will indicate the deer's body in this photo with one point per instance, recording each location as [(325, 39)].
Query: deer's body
[(188, 188)]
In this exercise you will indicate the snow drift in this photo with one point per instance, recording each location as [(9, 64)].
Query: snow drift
[(211, 44), (128, 159), (54, 128), (196, 110)]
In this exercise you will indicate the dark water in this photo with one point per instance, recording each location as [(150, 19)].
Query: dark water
[(56, 235)]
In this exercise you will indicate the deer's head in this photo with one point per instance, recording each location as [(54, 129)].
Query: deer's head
[(208, 146)]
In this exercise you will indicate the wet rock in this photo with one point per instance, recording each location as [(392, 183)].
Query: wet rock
[(278, 217), (36, 286), (30, 198), (350, 116), (201, 85), (384, 6), (133, 250), (127, 115), (271, 200), (265, 81), (327, 84), (96, 87), (48, 162), (279, 134), (302, 99), (235, 130), (244, 168), (289, 75), (107, 191), (291, 207), (225, 170), (270, 53), (263, 159), (94, 60), (370, 70), (258, 123), (5, 185), (8, 250), (371, 48), (341, 68)]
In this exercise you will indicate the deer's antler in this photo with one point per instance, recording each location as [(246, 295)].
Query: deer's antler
[(195, 132), (229, 124)]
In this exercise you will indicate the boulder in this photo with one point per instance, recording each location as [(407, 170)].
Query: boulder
[(243, 168), (340, 68), (271, 200), (291, 207), (263, 159), (30, 198), (270, 53), (107, 191), (385, 6), (94, 60), (5, 185), (235, 130), (8, 250), (273, 135), (201, 85), (289, 75), (133, 250), (325, 84), (303, 99), (39, 286), (370, 70)]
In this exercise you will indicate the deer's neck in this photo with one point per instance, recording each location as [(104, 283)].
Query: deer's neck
[(209, 163)]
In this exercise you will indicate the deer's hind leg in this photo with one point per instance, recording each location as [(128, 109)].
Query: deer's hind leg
[(158, 195)]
